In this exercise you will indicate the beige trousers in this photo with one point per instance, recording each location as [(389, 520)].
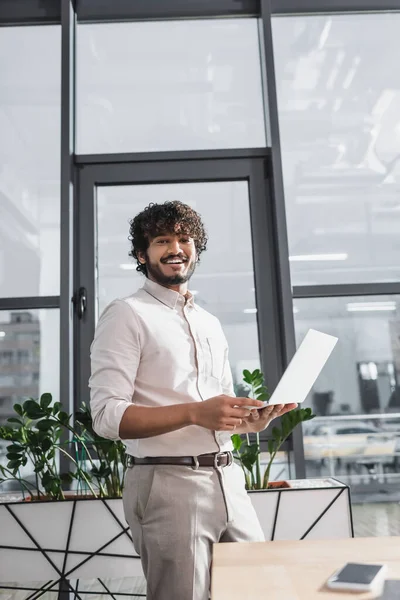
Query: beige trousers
[(176, 514)]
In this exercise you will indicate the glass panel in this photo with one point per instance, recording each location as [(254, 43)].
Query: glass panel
[(30, 63), (224, 281), (356, 434), (339, 107), (29, 363), (175, 85)]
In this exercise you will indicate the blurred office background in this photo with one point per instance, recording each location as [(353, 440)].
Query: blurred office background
[(150, 87)]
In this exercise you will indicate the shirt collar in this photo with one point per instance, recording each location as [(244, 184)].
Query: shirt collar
[(167, 296)]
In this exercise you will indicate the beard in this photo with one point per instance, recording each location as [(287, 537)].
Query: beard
[(156, 273)]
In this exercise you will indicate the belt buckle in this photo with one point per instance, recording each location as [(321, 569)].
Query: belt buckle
[(129, 461), (195, 464), (217, 455)]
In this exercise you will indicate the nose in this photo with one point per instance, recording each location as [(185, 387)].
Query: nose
[(174, 247)]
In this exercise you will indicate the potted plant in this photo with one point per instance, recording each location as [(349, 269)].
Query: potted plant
[(248, 453), (318, 508), (48, 533), (35, 435)]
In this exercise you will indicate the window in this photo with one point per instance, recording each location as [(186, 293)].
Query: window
[(6, 357), (22, 377), (6, 381), (224, 281), (357, 396), (23, 357), (174, 85), (30, 62), (339, 106)]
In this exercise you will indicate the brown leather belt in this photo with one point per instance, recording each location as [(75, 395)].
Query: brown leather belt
[(215, 459)]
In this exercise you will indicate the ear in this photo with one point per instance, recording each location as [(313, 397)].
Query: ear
[(142, 257)]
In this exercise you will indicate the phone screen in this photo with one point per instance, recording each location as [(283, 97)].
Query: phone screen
[(358, 573)]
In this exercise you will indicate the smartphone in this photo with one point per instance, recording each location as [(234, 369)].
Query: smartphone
[(357, 577)]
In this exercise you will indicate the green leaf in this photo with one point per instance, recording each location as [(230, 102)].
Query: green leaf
[(15, 420), (33, 410), (46, 424), (263, 397), (64, 418), (46, 445), (45, 400), (236, 441), (270, 446), (276, 433), (261, 390), (103, 471), (247, 376), (67, 477), (7, 433), (250, 455), (15, 457), (18, 409), (14, 464), (56, 407), (15, 448)]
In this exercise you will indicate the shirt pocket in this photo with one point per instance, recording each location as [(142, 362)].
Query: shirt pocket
[(216, 356)]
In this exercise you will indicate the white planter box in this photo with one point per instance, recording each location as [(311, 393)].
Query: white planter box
[(75, 539), (88, 539), (314, 509)]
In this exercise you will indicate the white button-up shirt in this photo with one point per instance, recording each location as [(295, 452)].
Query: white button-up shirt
[(158, 348)]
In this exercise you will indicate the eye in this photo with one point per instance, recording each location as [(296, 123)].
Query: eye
[(161, 242), (186, 240)]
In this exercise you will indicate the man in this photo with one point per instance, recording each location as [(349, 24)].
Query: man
[(161, 382)]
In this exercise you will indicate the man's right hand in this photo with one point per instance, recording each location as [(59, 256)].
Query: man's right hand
[(222, 413)]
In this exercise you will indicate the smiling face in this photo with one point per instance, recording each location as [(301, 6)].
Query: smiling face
[(170, 260)]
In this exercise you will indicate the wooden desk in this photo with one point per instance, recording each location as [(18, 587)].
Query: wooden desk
[(295, 570)]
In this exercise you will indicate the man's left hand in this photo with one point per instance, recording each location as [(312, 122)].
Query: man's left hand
[(260, 419)]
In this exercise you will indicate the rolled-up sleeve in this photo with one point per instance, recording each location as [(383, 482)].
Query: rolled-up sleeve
[(115, 356)]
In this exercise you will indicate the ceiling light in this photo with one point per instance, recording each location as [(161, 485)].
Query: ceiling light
[(127, 266), (370, 306), (250, 311), (295, 310), (317, 257), (2, 334)]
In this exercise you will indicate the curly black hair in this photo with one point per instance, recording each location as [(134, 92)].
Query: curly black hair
[(161, 219)]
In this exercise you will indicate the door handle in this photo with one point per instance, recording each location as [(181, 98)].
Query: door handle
[(80, 302)]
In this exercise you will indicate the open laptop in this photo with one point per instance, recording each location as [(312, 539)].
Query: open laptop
[(304, 368)]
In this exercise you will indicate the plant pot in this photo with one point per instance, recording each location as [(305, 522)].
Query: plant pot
[(304, 509), (76, 538), (68, 496), (276, 485)]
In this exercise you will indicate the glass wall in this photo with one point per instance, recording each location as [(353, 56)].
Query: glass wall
[(339, 114), (29, 361), (30, 166), (30, 119), (223, 283), (172, 85), (339, 107)]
